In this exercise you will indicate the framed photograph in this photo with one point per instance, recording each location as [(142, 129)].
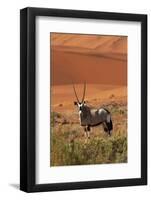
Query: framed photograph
[(83, 99)]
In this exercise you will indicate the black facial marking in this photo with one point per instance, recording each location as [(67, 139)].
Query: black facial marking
[(75, 103)]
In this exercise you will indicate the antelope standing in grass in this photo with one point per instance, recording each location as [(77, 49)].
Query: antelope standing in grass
[(90, 117)]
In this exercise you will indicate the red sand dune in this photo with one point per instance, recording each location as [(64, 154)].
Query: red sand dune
[(63, 97), (101, 61), (93, 58)]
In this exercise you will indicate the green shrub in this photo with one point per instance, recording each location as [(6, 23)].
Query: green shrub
[(93, 151)]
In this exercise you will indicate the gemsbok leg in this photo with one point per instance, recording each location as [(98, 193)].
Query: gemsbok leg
[(105, 127), (87, 131), (109, 126)]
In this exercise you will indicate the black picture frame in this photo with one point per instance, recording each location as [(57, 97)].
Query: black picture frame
[(28, 99)]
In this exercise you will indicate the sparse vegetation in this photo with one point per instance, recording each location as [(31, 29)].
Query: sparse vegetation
[(70, 147)]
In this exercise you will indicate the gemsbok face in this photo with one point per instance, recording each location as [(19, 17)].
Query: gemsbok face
[(80, 105), (89, 117)]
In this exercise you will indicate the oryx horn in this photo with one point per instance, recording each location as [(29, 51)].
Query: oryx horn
[(84, 89), (75, 93)]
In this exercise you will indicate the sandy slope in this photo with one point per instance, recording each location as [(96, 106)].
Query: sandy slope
[(62, 97), (95, 59), (101, 61), (86, 43), (77, 68)]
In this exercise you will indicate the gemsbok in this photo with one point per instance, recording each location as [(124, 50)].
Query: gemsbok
[(90, 117)]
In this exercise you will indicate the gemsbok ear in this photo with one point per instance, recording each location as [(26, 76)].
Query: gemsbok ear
[(75, 103)]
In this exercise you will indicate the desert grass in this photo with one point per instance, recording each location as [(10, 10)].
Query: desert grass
[(69, 146)]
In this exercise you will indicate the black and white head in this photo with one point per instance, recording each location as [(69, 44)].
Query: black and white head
[(80, 104)]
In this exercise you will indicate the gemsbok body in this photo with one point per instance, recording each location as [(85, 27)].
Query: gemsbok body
[(90, 117)]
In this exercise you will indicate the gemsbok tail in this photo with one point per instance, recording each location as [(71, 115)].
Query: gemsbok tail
[(108, 122)]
